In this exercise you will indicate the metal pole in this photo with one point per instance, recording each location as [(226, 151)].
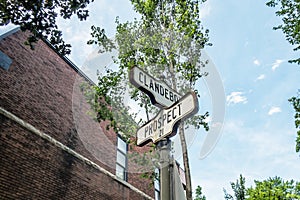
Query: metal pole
[(172, 183), (164, 147)]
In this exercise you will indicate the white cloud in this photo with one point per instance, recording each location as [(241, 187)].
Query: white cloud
[(256, 152), (274, 110), (276, 64), (205, 10), (260, 77), (256, 62), (236, 97)]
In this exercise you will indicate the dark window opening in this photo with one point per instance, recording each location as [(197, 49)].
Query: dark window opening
[(5, 61)]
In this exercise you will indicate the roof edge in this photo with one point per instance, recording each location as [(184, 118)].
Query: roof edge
[(69, 62), (14, 30)]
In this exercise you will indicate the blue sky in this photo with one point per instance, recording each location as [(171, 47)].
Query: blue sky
[(258, 135)]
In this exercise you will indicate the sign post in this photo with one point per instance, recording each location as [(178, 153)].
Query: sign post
[(174, 109), (164, 148)]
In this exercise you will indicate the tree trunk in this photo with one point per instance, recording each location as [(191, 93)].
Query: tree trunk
[(185, 157), (186, 164)]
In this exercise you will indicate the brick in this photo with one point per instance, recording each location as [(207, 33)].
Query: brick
[(42, 89)]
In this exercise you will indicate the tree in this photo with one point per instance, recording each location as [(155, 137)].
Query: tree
[(199, 195), (167, 44), (274, 188), (238, 188), (290, 13), (295, 101), (39, 17)]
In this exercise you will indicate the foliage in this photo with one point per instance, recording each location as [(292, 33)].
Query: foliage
[(290, 13), (238, 188), (167, 44), (199, 195), (39, 17), (110, 110), (162, 46), (295, 101), (274, 188)]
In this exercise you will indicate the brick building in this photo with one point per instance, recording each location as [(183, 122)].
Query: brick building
[(49, 147)]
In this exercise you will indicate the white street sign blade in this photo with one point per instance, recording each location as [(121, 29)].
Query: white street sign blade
[(167, 120), (160, 93)]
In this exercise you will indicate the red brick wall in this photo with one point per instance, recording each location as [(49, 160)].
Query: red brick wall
[(32, 168), (39, 88)]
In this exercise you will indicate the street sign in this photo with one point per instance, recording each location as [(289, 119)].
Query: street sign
[(160, 93), (167, 120)]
